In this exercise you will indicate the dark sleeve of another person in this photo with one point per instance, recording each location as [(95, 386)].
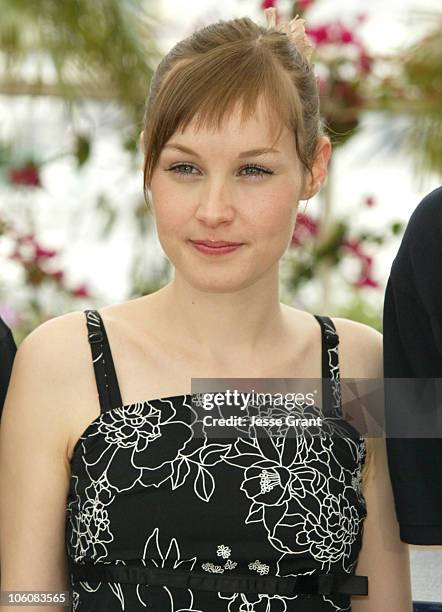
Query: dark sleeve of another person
[(412, 330), (7, 354)]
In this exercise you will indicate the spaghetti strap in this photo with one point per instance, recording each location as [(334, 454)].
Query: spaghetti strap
[(104, 369), (331, 387)]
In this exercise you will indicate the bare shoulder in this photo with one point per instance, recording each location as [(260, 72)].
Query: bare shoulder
[(54, 350), (50, 377), (54, 329), (360, 349)]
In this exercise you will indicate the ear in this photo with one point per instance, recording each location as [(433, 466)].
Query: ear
[(142, 139), (319, 170)]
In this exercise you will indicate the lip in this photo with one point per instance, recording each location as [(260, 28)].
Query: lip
[(216, 243), (208, 247)]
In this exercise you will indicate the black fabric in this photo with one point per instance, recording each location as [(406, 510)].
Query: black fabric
[(105, 375), (330, 376), (317, 584), (412, 330), (7, 354), (155, 504)]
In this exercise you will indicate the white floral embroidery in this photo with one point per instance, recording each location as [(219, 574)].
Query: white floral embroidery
[(223, 551), (261, 568), (89, 521), (75, 600), (211, 567), (282, 483), (356, 482)]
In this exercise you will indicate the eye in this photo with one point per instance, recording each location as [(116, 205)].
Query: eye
[(261, 170), (173, 168), (177, 169)]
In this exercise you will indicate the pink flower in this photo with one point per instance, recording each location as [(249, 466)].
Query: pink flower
[(27, 175), (267, 3), (369, 201), (346, 37), (42, 253), (304, 4), (338, 33), (320, 35), (305, 226), (365, 279), (81, 291), (352, 245), (335, 32)]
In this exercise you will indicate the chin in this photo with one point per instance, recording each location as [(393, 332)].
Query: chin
[(217, 283)]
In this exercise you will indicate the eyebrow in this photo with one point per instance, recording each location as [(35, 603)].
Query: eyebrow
[(251, 152)]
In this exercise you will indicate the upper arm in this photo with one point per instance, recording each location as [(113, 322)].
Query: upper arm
[(34, 468), (384, 558)]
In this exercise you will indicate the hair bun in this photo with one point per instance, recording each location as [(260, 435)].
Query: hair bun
[(294, 29)]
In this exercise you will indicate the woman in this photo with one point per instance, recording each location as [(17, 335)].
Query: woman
[(156, 516)]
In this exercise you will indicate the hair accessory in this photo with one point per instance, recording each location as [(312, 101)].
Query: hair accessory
[(294, 29)]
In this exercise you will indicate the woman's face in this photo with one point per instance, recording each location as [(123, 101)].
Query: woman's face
[(216, 191)]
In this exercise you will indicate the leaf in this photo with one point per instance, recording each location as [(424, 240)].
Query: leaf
[(243, 446), (214, 453), (204, 484), (256, 513), (180, 472), (82, 149), (244, 461)]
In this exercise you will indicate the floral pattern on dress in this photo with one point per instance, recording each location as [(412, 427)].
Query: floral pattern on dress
[(300, 495), (284, 480), (284, 484)]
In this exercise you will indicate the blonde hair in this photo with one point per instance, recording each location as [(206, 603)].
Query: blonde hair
[(205, 75)]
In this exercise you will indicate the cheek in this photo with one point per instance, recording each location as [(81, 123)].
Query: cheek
[(169, 216), (274, 218), (169, 207)]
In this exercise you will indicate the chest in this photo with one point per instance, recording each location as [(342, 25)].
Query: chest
[(157, 371)]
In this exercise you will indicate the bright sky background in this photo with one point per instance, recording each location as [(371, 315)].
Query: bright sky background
[(389, 23)]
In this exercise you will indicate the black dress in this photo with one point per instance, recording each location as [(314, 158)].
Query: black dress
[(164, 520), (8, 350)]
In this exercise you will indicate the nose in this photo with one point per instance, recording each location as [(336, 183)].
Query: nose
[(215, 205)]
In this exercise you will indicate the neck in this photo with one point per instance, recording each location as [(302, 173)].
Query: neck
[(219, 323)]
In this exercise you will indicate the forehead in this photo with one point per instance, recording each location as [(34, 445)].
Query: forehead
[(238, 131)]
